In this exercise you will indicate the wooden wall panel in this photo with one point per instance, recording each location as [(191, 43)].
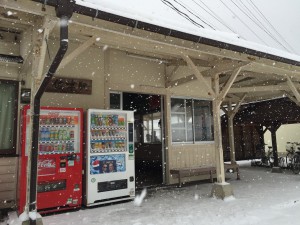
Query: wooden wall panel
[(8, 181), (191, 156)]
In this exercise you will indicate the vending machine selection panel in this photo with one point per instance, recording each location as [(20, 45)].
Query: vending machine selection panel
[(59, 159), (109, 156)]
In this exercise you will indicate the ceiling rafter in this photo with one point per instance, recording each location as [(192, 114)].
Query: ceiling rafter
[(77, 52), (198, 74)]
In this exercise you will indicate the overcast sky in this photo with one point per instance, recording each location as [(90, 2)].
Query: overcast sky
[(272, 23)]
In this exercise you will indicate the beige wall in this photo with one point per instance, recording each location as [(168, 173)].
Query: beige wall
[(89, 65), (286, 133), (134, 75), (9, 71)]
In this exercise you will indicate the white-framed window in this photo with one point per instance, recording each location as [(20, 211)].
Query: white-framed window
[(191, 120)]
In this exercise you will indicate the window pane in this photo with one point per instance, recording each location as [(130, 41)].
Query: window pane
[(7, 115), (178, 121), (177, 105), (203, 120), (152, 131), (178, 135), (189, 120), (156, 131), (115, 101)]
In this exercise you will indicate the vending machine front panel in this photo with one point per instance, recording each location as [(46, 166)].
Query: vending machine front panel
[(59, 160), (110, 165)]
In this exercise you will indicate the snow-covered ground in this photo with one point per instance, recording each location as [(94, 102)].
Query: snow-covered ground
[(260, 197)]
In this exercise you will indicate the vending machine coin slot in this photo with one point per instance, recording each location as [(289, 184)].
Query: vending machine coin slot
[(71, 160), (130, 132), (112, 185), (63, 162)]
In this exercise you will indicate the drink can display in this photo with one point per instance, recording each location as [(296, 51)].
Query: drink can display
[(71, 134), (92, 145), (63, 147), (71, 146), (115, 120), (69, 120), (96, 123), (48, 120)]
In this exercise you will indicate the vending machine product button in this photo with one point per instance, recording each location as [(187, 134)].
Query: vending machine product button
[(69, 201), (130, 146), (76, 187)]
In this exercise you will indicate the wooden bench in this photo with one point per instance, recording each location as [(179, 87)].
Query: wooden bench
[(202, 170)]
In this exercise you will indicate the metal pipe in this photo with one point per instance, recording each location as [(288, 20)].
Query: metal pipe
[(64, 12)]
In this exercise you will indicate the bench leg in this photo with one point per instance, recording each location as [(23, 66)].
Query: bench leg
[(238, 174), (211, 177), (179, 179)]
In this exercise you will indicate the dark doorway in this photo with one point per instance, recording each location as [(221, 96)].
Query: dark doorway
[(148, 137)]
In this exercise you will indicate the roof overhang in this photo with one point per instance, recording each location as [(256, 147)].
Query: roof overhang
[(273, 75)]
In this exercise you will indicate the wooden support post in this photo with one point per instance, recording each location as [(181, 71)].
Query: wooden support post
[(273, 128), (231, 139), (231, 113), (217, 132), (261, 146)]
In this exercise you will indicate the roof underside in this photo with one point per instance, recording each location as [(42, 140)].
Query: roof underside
[(265, 113)]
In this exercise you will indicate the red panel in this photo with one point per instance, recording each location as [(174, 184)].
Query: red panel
[(55, 171)]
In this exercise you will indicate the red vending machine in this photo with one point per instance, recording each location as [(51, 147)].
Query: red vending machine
[(59, 159)]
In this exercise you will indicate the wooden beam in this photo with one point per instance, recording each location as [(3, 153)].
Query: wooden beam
[(169, 76), (77, 52), (261, 88), (198, 74), (292, 98), (223, 67), (197, 62), (180, 81), (41, 46), (293, 88), (224, 109), (229, 83), (238, 105)]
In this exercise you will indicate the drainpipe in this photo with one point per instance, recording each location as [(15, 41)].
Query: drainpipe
[(64, 10)]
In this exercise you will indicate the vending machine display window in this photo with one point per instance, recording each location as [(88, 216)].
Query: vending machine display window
[(107, 164)]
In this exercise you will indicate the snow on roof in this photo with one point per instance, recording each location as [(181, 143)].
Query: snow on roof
[(215, 20)]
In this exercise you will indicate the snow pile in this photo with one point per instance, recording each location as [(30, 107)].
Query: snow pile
[(260, 197), (139, 198)]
